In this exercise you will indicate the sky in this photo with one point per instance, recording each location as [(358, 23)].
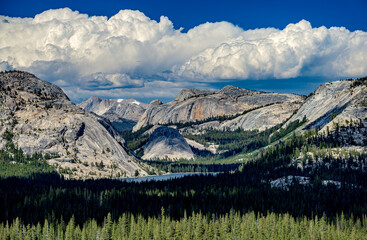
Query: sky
[(152, 49)]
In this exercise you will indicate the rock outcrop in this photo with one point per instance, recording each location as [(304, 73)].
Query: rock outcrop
[(187, 93), (43, 120), (194, 104), (257, 119), (334, 104), (122, 113), (262, 118), (166, 142)]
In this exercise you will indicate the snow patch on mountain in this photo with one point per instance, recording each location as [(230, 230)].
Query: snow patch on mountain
[(136, 102)]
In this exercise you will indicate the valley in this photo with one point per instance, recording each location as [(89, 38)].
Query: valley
[(183, 120), (277, 156), (198, 130)]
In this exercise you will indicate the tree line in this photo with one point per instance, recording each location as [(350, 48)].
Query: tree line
[(232, 225)]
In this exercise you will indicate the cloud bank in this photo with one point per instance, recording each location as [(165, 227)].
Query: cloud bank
[(130, 55)]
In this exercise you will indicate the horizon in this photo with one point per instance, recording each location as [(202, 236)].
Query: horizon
[(152, 52), (166, 100)]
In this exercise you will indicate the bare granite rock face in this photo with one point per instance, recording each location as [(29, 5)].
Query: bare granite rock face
[(262, 118), (42, 119), (213, 148), (334, 103), (166, 142), (187, 93), (156, 102), (257, 119), (122, 113), (194, 104)]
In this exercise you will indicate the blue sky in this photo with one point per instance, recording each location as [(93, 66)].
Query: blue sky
[(144, 56), (189, 13)]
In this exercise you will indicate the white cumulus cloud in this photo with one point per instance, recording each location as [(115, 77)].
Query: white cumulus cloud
[(131, 55), (297, 50)]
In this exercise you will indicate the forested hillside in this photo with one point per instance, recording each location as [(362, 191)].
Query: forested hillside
[(337, 186)]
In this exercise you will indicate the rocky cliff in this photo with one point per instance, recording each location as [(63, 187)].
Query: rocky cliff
[(257, 119), (166, 142), (122, 113), (42, 119), (195, 104), (335, 104)]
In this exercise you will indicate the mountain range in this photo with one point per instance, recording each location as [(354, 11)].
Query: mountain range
[(122, 113), (88, 140), (192, 105)]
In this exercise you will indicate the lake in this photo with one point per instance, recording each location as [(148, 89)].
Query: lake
[(166, 176)]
